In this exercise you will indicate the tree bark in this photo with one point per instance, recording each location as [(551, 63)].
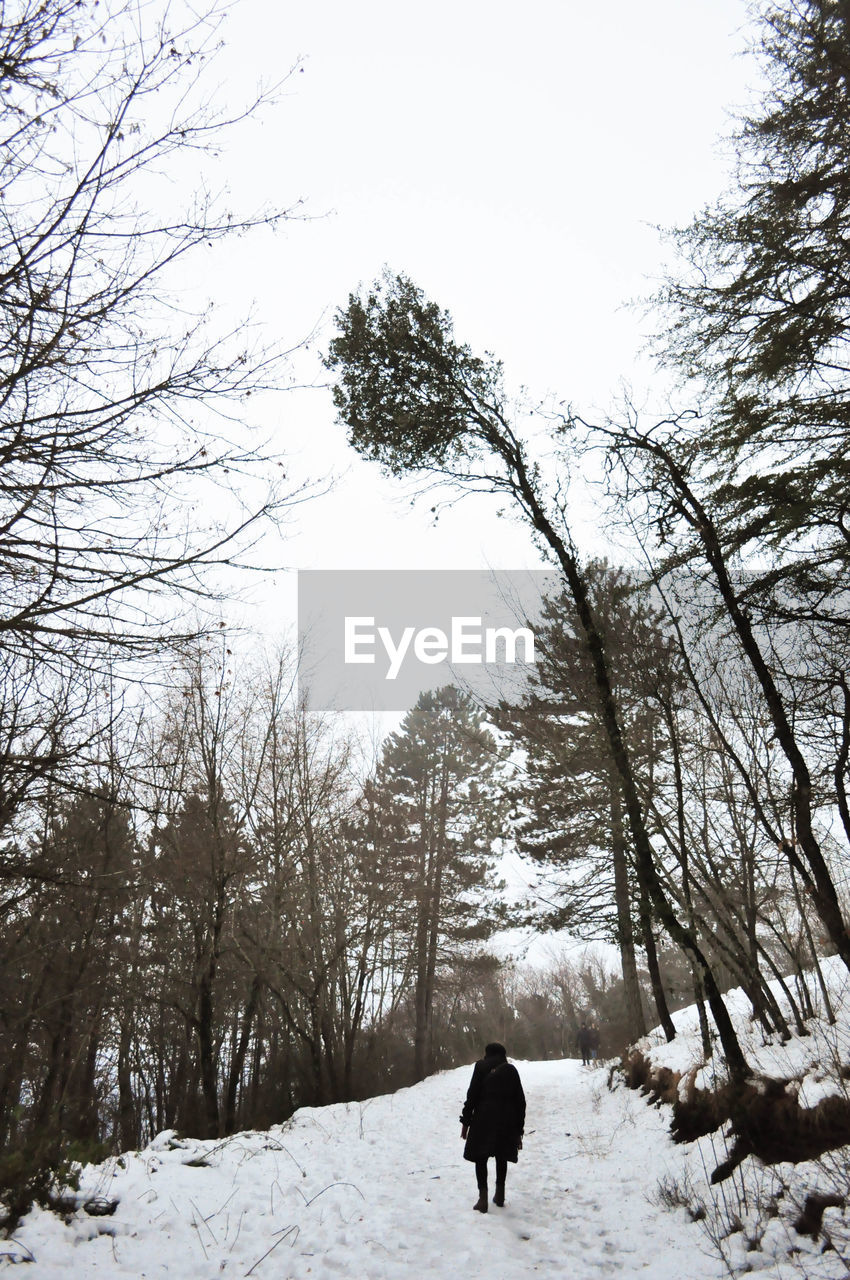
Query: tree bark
[(653, 969), (635, 1023), (238, 1060)]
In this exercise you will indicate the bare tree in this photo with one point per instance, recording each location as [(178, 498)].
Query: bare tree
[(119, 407), (666, 476)]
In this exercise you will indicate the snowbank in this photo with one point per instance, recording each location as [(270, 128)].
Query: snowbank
[(378, 1190)]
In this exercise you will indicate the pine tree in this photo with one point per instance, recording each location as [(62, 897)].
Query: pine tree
[(570, 795), (761, 311), (439, 780)]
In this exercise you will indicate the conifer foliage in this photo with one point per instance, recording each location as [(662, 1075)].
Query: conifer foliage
[(439, 779), (761, 306)]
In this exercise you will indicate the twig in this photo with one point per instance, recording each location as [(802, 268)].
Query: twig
[(200, 1241), (238, 1229), (204, 1221), (21, 1245), (275, 1183), (334, 1184), (226, 1203), (286, 1232), (279, 1146)]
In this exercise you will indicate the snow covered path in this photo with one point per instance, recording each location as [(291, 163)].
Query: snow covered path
[(378, 1190)]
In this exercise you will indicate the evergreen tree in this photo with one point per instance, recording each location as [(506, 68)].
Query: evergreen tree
[(439, 779), (570, 797), (761, 310)]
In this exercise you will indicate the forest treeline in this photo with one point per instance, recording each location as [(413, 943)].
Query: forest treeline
[(215, 905), (233, 912), (224, 921)]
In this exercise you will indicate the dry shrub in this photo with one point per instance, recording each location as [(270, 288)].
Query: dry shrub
[(636, 1070), (664, 1086), (810, 1220), (689, 1089), (765, 1119), (700, 1113)]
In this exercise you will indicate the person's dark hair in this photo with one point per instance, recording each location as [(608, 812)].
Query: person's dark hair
[(495, 1050)]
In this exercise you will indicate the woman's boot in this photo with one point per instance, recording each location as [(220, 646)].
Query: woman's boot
[(499, 1194), (481, 1202)]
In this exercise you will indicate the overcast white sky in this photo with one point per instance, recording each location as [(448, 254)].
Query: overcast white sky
[(514, 161)]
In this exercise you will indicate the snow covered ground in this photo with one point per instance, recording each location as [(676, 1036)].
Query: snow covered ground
[(378, 1190)]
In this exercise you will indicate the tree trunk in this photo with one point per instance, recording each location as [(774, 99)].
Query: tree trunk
[(509, 450), (699, 1000), (206, 1058), (652, 967), (420, 1002), (238, 1061), (421, 996), (436, 916), (635, 1023)]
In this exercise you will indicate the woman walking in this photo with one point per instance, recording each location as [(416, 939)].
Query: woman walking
[(493, 1120)]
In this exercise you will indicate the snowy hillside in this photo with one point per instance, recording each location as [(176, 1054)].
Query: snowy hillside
[(379, 1189), (754, 1217)]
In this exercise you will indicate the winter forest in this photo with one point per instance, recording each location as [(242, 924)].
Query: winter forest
[(219, 905)]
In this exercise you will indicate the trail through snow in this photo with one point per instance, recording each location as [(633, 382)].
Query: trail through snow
[(379, 1189)]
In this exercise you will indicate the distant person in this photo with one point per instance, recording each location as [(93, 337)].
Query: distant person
[(493, 1120), (593, 1032), (584, 1043)]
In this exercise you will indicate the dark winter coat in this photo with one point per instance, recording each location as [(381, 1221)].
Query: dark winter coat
[(494, 1110)]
